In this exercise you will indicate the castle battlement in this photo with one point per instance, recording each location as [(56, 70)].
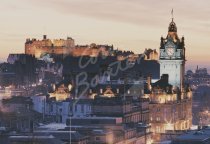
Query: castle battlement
[(38, 48)]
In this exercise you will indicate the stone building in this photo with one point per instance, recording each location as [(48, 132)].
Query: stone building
[(150, 54), (17, 114), (39, 48), (199, 78), (170, 99), (115, 120), (129, 110), (170, 108)]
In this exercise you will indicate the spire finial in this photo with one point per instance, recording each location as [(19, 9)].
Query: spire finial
[(172, 14)]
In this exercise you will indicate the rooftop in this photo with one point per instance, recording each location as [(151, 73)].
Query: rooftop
[(194, 136)]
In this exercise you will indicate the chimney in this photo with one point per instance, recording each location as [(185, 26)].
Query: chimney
[(31, 125), (44, 37), (149, 82), (200, 127), (164, 78), (28, 39)]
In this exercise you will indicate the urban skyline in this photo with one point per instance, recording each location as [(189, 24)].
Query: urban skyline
[(106, 22), (104, 72)]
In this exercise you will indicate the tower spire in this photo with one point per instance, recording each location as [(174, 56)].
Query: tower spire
[(172, 26), (172, 14)]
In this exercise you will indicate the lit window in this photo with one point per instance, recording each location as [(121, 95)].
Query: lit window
[(118, 91), (157, 129), (90, 91)]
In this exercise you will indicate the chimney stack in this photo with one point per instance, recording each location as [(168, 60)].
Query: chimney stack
[(149, 82), (44, 37), (164, 78)]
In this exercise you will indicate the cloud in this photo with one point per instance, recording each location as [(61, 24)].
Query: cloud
[(133, 11), (136, 11), (147, 18)]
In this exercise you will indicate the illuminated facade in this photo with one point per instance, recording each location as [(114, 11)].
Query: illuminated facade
[(170, 108), (170, 100), (150, 54), (41, 48), (60, 93)]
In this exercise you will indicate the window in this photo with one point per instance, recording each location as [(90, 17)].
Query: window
[(75, 108), (82, 108), (90, 91), (70, 108), (118, 91), (51, 108), (97, 138), (157, 129), (158, 118)]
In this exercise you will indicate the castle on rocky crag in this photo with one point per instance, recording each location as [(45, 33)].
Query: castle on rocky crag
[(39, 48)]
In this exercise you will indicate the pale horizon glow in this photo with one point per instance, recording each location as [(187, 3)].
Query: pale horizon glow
[(127, 24)]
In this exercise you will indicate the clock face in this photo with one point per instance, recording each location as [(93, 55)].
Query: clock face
[(170, 51)]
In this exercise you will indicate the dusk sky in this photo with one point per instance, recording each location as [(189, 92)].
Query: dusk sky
[(127, 24)]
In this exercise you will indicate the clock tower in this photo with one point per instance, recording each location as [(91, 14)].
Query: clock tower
[(172, 56)]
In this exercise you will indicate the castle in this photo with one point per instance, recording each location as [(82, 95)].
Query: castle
[(39, 48)]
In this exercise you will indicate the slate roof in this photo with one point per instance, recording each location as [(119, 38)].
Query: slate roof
[(18, 100), (142, 67), (194, 137)]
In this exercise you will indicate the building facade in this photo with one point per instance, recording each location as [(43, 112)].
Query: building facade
[(45, 47), (170, 100), (150, 54), (39, 48)]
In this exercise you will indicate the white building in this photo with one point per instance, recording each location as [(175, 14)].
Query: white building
[(39, 103), (70, 108), (82, 108)]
